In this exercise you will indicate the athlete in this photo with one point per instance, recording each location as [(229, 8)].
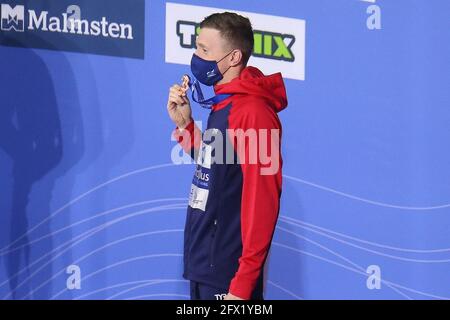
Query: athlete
[(235, 193)]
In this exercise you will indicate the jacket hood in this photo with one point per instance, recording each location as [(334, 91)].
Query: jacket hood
[(252, 81)]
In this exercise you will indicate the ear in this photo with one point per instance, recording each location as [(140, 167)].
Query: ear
[(236, 57)]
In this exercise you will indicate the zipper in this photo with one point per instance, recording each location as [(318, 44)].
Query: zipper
[(211, 245)]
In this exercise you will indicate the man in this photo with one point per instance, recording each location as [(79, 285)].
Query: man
[(233, 207)]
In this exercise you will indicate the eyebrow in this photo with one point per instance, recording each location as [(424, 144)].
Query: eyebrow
[(199, 44)]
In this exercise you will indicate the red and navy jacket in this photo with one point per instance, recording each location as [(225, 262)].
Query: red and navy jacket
[(233, 208)]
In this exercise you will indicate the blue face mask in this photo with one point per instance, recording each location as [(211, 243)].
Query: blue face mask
[(206, 71)]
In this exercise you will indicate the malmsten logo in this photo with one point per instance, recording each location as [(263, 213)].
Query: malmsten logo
[(125, 29), (12, 18)]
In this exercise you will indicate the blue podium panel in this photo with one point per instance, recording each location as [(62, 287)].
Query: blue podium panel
[(92, 205)]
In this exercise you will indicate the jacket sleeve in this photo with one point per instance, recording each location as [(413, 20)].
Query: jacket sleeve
[(261, 192), (189, 138)]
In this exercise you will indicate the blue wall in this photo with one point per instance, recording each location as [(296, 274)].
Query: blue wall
[(86, 177)]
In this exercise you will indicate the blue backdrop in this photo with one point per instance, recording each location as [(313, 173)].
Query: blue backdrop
[(92, 207)]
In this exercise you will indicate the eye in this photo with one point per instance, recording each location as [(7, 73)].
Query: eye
[(204, 50)]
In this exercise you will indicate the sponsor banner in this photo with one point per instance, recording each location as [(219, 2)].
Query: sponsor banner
[(279, 41), (106, 27)]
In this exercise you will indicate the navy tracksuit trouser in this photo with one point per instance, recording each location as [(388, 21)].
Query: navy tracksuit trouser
[(200, 291)]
